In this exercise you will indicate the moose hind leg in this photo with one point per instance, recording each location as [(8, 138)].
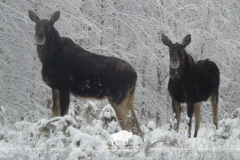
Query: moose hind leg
[(197, 117), (64, 101), (214, 102), (122, 109), (177, 111), (134, 124), (122, 112), (56, 102)]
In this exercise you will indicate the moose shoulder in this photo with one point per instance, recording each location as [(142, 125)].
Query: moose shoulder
[(68, 68), (191, 83)]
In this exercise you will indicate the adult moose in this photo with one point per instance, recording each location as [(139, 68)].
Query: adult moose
[(191, 83), (67, 67)]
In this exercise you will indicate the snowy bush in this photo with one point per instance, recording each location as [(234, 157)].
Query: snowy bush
[(236, 113), (77, 155), (227, 125), (109, 119), (89, 109), (151, 125), (85, 142), (61, 138), (45, 128)]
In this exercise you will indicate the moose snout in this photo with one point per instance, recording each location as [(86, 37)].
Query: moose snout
[(175, 63), (40, 37), (40, 40)]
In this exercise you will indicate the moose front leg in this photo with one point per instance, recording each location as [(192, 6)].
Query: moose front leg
[(64, 101), (197, 117), (190, 114), (56, 102), (177, 111)]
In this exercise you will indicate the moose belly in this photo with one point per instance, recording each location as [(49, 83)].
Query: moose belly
[(182, 94), (89, 90)]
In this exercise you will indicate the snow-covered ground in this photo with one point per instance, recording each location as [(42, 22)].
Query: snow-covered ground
[(71, 137)]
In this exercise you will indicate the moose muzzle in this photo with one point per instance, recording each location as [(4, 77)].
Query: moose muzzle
[(40, 36), (174, 61)]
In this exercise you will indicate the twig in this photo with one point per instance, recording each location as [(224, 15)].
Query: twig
[(155, 143), (159, 84)]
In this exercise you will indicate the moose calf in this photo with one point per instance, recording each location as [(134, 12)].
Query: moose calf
[(191, 83)]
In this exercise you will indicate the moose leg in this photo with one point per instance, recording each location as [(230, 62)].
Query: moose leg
[(190, 114), (177, 111), (197, 117), (56, 102), (122, 111), (214, 102), (134, 124), (64, 101)]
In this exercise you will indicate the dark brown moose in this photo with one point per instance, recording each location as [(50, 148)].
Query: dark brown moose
[(191, 83), (67, 67)]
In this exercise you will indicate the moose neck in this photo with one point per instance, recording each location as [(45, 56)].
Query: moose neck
[(46, 51), (184, 67)]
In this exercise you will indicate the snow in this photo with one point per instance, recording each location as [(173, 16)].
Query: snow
[(107, 112), (129, 30), (79, 142), (140, 156), (187, 119), (2, 110), (112, 127), (77, 154), (151, 125)]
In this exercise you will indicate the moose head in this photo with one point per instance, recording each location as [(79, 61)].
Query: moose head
[(177, 51), (44, 28)]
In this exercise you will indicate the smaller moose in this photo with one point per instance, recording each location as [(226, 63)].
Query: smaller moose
[(67, 67), (191, 83)]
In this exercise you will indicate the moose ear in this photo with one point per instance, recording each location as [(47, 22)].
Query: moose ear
[(166, 41), (186, 40), (33, 16), (55, 16)]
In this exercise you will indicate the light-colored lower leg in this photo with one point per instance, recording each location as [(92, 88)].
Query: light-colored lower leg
[(178, 115), (56, 103), (135, 125), (177, 110), (189, 131), (215, 111), (196, 112), (122, 111)]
